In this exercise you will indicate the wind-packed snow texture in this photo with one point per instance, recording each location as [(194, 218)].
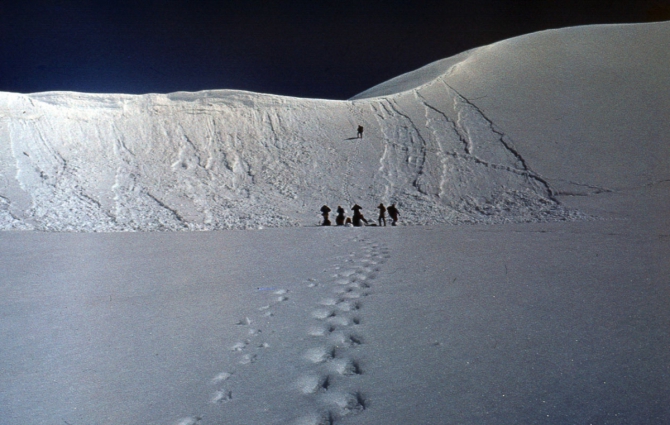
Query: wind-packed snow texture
[(227, 159), (223, 159)]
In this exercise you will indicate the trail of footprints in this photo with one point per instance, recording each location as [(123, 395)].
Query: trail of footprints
[(332, 370)]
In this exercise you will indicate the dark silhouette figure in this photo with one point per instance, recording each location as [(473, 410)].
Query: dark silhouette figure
[(339, 220), (393, 212), (382, 214), (360, 132), (358, 218), (324, 212)]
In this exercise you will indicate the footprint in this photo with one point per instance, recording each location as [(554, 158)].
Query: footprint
[(338, 338), (328, 301), (248, 359), (320, 354), (339, 321), (239, 346), (320, 330), (346, 367), (346, 403), (282, 298), (313, 384), (281, 292), (222, 396), (343, 340), (221, 377), (317, 418), (351, 294), (360, 285), (348, 305), (322, 314), (242, 322)]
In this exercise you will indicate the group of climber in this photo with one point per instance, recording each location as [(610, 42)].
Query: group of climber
[(357, 219)]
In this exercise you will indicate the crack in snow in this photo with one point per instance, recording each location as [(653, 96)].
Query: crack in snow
[(507, 146)]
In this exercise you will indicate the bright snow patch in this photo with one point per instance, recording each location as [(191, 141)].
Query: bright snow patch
[(459, 143)]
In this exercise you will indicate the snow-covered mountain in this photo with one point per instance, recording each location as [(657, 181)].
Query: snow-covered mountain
[(514, 323), (491, 135)]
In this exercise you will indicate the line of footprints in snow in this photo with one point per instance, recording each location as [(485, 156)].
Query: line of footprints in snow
[(331, 368)]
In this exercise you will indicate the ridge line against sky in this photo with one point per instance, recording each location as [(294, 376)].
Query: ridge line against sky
[(331, 50)]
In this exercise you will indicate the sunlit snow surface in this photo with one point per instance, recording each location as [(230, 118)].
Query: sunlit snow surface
[(225, 159), (550, 307), (489, 136), (214, 160)]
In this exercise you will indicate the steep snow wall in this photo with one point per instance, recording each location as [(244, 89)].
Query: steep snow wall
[(222, 159), (229, 159)]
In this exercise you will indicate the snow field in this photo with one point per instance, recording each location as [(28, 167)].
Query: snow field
[(334, 339), (435, 324)]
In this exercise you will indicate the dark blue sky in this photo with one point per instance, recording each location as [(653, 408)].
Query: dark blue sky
[(325, 49)]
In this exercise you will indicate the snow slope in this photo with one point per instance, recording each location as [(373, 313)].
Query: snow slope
[(554, 321), (214, 160), (491, 135)]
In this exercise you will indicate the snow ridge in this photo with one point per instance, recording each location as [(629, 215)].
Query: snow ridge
[(223, 159)]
